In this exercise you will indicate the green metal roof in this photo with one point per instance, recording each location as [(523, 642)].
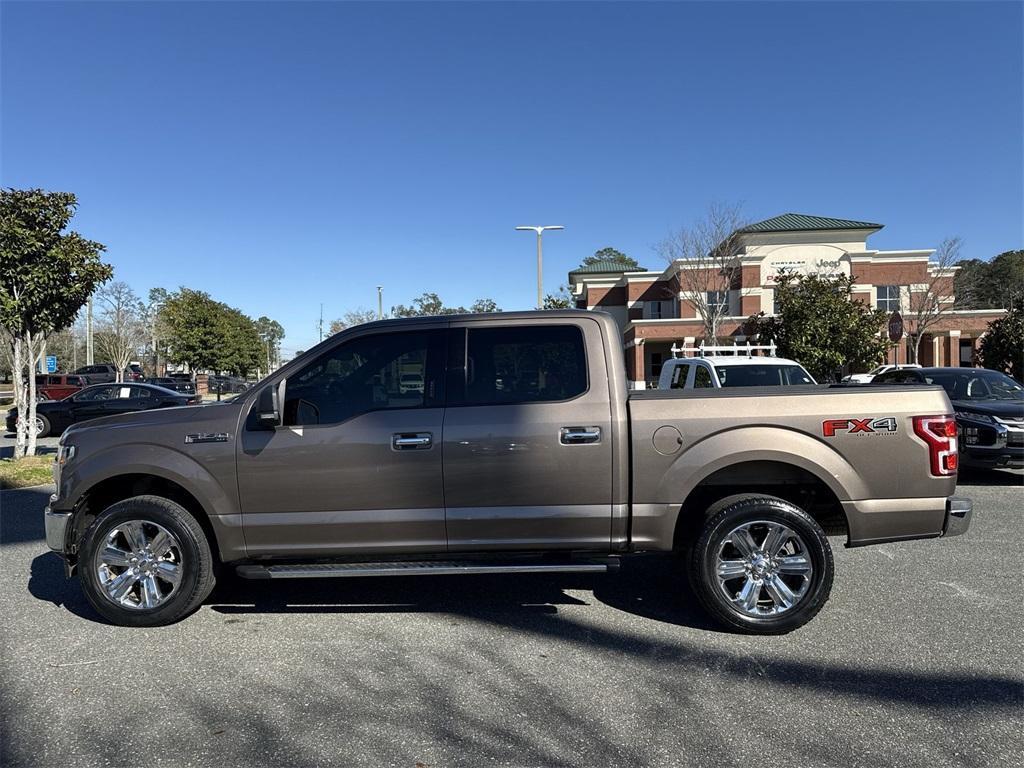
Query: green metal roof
[(602, 267), (799, 222)]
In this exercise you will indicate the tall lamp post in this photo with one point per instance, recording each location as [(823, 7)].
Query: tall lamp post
[(540, 259)]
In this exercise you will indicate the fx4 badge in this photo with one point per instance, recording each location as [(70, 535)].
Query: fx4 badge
[(830, 427)]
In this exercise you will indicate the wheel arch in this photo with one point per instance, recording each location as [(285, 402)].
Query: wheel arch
[(785, 480)]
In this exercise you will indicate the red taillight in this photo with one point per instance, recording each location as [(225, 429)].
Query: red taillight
[(939, 432)]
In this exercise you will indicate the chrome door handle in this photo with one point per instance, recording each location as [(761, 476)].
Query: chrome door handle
[(580, 435), (411, 441)]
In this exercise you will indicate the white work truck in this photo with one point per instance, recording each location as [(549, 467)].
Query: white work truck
[(714, 367)]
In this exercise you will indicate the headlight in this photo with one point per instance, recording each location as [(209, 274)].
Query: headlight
[(65, 453), (979, 417)]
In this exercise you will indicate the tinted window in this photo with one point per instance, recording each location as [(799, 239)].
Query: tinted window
[(977, 384), (141, 393), (366, 374), (74, 381), (702, 377), (524, 364), (761, 375), (679, 374), (96, 393), (898, 377)]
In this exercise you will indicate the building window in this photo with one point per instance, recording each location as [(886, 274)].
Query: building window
[(718, 301), (889, 297), (659, 310), (657, 360)]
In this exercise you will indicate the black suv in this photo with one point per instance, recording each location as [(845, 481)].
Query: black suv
[(989, 409), (105, 373)]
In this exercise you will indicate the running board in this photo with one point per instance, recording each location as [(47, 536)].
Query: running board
[(419, 568)]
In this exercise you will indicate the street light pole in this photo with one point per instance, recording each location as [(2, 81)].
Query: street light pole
[(380, 302), (540, 260)]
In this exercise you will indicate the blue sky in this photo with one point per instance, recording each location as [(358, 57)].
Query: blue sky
[(283, 155)]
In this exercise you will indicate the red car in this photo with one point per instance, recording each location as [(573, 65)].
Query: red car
[(57, 386)]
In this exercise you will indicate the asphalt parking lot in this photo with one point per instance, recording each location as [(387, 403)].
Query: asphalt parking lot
[(915, 661)]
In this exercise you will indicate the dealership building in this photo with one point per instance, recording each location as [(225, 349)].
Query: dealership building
[(655, 312)]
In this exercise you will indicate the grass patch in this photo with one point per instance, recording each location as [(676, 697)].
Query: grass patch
[(22, 473)]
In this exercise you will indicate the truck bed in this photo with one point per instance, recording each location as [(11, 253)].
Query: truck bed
[(856, 443)]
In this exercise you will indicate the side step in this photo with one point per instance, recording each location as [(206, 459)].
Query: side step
[(419, 568)]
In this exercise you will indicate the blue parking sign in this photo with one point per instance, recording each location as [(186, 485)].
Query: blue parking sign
[(51, 363)]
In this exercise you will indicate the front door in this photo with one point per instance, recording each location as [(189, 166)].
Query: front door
[(93, 403), (527, 437), (356, 466)]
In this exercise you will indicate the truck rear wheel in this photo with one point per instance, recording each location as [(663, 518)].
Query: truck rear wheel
[(145, 562), (760, 565)]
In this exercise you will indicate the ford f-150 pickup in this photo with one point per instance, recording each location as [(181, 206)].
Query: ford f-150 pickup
[(519, 450)]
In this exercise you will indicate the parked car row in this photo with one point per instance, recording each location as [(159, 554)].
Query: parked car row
[(226, 385), (96, 400), (989, 408)]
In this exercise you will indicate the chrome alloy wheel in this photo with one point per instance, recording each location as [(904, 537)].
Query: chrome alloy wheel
[(139, 565), (764, 568), (39, 425)]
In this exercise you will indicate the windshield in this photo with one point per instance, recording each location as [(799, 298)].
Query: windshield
[(762, 375), (878, 370), (977, 384)]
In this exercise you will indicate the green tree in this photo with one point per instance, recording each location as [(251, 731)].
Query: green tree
[(990, 284), (613, 255), (193, 327), (240, 348), (561, 299), (46, 275), (1002, 346), (426, 304), (484, 306), (271, 334), (821, 326)]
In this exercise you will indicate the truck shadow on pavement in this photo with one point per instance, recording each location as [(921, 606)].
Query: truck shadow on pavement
[(648, 589), (528, 606)]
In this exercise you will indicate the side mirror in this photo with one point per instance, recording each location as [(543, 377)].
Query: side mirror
[(268, 411)]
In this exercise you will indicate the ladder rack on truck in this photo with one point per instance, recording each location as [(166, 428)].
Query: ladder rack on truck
[(703, 350)]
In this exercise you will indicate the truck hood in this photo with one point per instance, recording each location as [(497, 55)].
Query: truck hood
[(222, 415), (1003, 409)]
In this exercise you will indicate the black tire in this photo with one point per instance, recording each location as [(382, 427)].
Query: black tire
[(45, 429), (197, 564), (726, 516)]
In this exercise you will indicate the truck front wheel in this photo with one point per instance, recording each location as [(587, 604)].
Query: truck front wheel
[(760, 565), (145, 562)]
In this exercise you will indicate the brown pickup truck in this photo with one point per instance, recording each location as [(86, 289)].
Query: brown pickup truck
[(504, 443)]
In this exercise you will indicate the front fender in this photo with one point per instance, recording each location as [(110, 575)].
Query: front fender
[(148, 459)]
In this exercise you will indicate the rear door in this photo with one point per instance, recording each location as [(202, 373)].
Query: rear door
[(527, 437), (130, 398)]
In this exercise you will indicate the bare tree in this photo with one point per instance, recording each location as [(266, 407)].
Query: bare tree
[(932, 301), (353, 317), (122, 327), (708, 249)]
